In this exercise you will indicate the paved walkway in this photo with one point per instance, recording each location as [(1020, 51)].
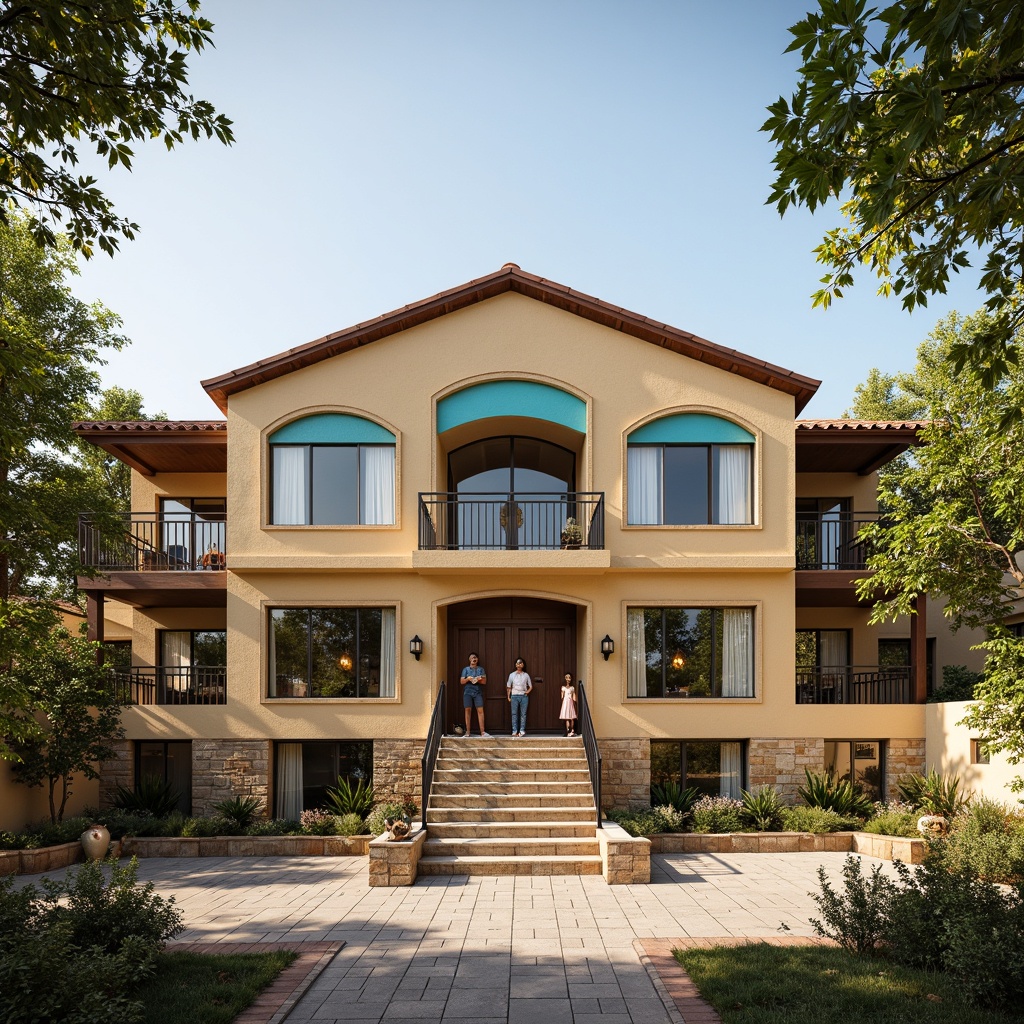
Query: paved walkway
[(504, 950)]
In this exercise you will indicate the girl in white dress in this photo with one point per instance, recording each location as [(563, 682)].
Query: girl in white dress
[(568, 712)]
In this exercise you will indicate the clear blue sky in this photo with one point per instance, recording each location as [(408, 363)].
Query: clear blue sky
[(389, 150)]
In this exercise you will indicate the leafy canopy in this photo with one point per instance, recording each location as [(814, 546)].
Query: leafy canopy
[(911, 118), (98, 76)]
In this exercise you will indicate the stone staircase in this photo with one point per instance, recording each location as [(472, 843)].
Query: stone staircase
[(505, 806)]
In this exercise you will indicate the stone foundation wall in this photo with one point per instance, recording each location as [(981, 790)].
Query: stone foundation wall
[(902, 757), (625, 773), (224, 769), (118, 771), (781, 763), (397, 769)]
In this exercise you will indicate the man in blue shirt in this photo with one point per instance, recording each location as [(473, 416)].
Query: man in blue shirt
[(473, 679)]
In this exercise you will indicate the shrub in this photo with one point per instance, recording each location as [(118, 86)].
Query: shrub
[(317, 823), (200, 828), (643, 821), (47, 833), (241, 811), (762, 810), (857, 917), (814, 819), (272, 827), (958, 683), (394, 809), (717, 814), (674, 795), (893, 819), (350, 825), (989, 841), (827, 792), (344, 798), (933, 793), (151, 794), (121, 823)]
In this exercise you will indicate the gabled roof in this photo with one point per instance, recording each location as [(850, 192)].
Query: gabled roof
[(161, 446), (511, 279), (852, 446)]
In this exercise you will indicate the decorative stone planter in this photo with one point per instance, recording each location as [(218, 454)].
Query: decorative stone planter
[(49, 858), (10, 862), (910, 851), (248, 846)]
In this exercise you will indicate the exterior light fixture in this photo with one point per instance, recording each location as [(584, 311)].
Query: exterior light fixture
[(679, 661), (345, 663), (416, 647), (607, 647)]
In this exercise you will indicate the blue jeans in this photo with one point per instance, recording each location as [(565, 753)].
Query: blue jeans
[(519, 703)]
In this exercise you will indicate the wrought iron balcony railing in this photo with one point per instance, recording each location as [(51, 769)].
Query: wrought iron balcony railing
[(194, 684), (832, 540), (147, 540), (855, 684), (519, 521)]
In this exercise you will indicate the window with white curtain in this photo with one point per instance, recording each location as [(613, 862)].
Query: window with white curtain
[(712, 767), (690, 652), (689, 484), (331, 652), (332, 484)]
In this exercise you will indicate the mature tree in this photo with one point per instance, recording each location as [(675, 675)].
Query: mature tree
[(50, 344), (954, 517), (73, 711), (101, 76), (880, 398), (911, 118)]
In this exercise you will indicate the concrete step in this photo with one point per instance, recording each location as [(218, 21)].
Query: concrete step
[(501, 801), (586, 865), (511, 786), (469, 764), (559, 776), (521, 830), (535, 846), (508, 814)]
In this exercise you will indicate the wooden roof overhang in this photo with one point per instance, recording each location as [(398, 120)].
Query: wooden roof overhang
[(510, 278), (161, 446), (852, 446)]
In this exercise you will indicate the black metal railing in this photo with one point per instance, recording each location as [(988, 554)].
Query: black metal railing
[(585, 724), (833, 540), (430, 749), (517, 521), (146, 540), (195, 684), (855, 684)]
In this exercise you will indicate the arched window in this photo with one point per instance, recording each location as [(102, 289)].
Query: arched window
[(332, 469), (690, 469)]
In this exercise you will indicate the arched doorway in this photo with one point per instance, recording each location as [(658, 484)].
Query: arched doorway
[(501, 629)]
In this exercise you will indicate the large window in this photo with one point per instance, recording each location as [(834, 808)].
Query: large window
[(332, 470), (305, 771), (167, 761), (713, 767), (859, 761), (690, 470), (690, 652), (331, 652), (193, 666)]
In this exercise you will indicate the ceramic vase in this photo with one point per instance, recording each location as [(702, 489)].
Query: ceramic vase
[(95, 842), (932, 826)]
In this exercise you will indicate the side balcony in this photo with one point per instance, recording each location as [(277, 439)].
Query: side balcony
[(193, 684), (831, 555), (855, 684)]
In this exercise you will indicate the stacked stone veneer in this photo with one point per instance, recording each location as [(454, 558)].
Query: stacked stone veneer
[(625, 773), (903, 757), (397, 769), (118, 771), (781, 763), (224, 769)]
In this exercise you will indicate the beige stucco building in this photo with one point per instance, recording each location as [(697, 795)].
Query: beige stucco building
[(409, 482)]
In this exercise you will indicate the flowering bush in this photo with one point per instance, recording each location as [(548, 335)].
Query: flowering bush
[(717, 814), (317, 823)]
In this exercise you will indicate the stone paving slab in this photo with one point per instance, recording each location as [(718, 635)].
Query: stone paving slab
[(506, 949)]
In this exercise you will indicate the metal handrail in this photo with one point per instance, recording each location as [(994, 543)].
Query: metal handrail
[(511, 521), (586, 727), (833, 540), (430, 749), (192, 684), (168, 541), (854, 684)]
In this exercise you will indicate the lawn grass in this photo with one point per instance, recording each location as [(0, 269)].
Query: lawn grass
[(208, 988), (763, 984)]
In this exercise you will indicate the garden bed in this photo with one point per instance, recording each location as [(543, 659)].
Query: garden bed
[(45, 858), (248, 846), (910, 851)]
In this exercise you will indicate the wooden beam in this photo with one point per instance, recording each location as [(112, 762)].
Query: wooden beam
[(919, 649)]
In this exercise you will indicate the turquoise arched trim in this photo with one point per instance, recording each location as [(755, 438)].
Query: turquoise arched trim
[(691, 428), (511, 398), (332, 428)]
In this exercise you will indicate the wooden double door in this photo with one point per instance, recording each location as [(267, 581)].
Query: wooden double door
[(500, 630)]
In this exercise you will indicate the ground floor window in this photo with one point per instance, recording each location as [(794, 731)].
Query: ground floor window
[(690, 652), (862, 761), (713, 767), (331, 652), (169, 761), (305, 771)]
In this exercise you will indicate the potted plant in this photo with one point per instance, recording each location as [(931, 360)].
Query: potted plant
[(572, 535)]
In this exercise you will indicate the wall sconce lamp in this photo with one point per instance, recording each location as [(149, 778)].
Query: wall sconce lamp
[(416, 647), (607, 647)]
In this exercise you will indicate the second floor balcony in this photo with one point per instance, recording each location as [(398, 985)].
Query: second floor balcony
[(511, 521), (833, 540), (192, 684), (855, 684), (146, 541)]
